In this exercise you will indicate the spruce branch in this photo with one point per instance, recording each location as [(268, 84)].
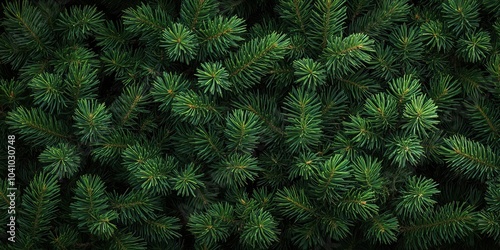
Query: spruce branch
[(81, 81), (337, 227), (462, 15), (304, 118), (61, 160), (489, 224), (40, 203), (260, 231), (242, 131), (491, 6), (333, 179), (307, 235), (473, 80), (129, 105), (102, 225), (362, 132), (180, 43), (307, 166), (382, 110), (416, 197), (358, 204), (159, 229), (195, 108), (219, 35), (328, 19), (333, 108), (134, 206), (436, 35), (405, 88), (37, 127), (470, 159), (25, 22), (207, 229), (449, 223), (420, 116), (309, 73), (213, 78), (383, 229), (194, 13), (208, 143), (247, 66), (265, 107), (63, 237), (166, 87), (111, 35), (381, 18), (297, 13), (345, 55), (187, 180), (294, 204), (110, 148), (74, 56), (492, 196), (91, 207), (48, 92), (92, 120), (119, 61), (407, 43), (79, 22), (444, 90), (145, 21), (121, 240), (484, 119), (236, 170), (367, 172), (154, 176), (404, 150), (384, 63), (475, 46), (11, 93), (358, 85)]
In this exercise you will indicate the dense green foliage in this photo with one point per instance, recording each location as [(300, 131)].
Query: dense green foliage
[(252, 124)]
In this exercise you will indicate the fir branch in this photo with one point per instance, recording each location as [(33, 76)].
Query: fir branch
[(242, 131), (39, 207), (26, 23), (297, 13), (381, 18), (328, 19), (344, 55), (462, 15), (164, 227), (146, 21), (130, 104), (485, 121), (92, 120), (471, 159), (195, 12), (48, 92), (383, 229), (303, 113), (61, 160), (134, 206), (37, 127), (295, 204), (246, 67), (451, 222), (78, 22), (333, 179)]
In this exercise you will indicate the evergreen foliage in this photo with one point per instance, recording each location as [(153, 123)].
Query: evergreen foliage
[(281, 124)]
